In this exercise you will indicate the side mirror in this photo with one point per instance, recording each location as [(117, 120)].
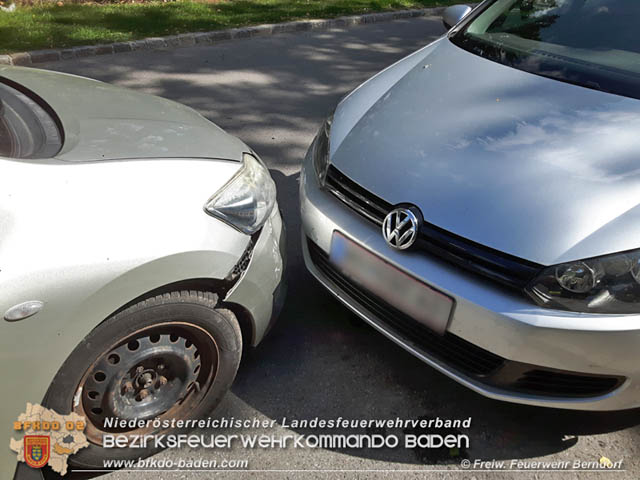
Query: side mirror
[(454, 14)]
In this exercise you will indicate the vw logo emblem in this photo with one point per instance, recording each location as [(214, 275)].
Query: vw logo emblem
[(400, 227)]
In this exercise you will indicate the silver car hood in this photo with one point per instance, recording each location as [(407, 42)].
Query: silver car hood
[(103, 122), (530, 166)]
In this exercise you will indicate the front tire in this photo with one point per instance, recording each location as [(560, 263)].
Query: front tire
[(170, 356)]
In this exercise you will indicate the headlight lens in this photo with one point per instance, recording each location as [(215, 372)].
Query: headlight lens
[(321, 151), (609, 284), (247, 199)]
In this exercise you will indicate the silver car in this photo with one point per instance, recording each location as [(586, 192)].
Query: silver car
[(476, 202), (140, 248)]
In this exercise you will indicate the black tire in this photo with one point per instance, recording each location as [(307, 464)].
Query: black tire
[(197, 310)]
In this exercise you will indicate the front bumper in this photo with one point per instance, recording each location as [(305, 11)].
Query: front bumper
[(486, 318), (262, 288)]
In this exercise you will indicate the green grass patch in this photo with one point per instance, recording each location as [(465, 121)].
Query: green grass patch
[(52, 26)]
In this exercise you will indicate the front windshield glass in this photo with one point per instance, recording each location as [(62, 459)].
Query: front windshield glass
[(592, 43)]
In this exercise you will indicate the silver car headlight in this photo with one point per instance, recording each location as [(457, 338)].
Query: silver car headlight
[(608, 284), (246, 201), (321, 151)]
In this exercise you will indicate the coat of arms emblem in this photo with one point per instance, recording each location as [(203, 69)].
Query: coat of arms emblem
[(36, 450)]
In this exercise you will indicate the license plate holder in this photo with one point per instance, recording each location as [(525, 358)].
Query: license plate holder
[(404, 292)]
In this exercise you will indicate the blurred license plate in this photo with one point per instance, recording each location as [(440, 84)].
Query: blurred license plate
[(409, 295)]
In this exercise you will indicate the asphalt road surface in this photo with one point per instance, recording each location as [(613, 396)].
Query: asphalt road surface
[(319, 361)]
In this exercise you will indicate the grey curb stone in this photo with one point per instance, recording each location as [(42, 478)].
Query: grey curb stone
[(220, 35), (203, 38), (104, 49), (155, 43), (207, 38), (279, 28), (240, 33), (45, 56), (172, 41), (300, 26), (355, 20), (137, 45), (320, 24), (22, 58), (67, 53), (259, 30), (122, 47), (186, 40), (87, 51)]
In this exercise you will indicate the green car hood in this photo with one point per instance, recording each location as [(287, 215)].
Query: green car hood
[(103, 122)]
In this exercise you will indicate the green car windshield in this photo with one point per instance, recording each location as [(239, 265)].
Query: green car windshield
[(591, 43)]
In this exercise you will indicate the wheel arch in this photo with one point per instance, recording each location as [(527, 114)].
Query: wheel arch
[(217, 286)]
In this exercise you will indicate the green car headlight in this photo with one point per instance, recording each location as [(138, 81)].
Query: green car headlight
[(246, 201)]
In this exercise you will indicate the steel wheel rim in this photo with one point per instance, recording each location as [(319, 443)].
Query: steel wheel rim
[(175, 363)]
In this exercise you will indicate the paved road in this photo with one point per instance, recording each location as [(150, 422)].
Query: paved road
[(273, 92)]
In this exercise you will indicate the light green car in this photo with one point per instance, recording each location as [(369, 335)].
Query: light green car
[(141, 247)]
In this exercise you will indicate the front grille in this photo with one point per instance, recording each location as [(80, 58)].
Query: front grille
[(465, 357), (498, 266)]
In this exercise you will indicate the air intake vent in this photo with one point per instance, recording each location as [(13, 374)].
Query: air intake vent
[(565, 384)]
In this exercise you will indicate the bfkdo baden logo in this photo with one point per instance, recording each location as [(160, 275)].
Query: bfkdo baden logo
[(49, 437), (36, 450)]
